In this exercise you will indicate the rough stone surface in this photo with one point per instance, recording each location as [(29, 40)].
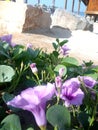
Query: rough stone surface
[(68, 20), (36, 18)]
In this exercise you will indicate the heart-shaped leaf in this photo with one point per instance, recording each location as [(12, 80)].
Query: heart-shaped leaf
[(59, 116), (6, 73), (11, 122), (70, 61)]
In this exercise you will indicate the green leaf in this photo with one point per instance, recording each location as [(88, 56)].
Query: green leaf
[(7, 97), (84, 119), (59, 116), (6, 73), (88, 64), (5, 46), (57, 40), (33, 53), (3, 52), (19, 49), (55, 45), (93, 75), (30, 128), (11, 122), (95, 69), (58, 67), (63, 42), (70, 61)]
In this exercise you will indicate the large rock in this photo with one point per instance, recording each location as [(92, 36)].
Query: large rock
[(36, 18), (17, 17), (12, 17), (69, 20)]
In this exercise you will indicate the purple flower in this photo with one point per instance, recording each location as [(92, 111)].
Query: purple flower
[(71, 93), (88, 81), (33, 68), (61, 72), (64, 49), (6, 38), (34, 100), (29, 45), (12, 44), (58, 82)]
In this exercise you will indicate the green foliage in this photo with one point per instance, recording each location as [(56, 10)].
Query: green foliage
[(7, 97), (70, 61), (30, 128), (84, 119), (59, 117), (16, 75), (11, 122), (6, 73)]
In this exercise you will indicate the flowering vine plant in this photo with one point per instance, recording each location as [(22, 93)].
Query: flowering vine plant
[(53, 89)]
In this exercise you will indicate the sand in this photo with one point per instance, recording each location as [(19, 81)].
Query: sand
[(83, 44)]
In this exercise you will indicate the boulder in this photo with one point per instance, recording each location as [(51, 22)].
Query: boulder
[(36, 18), (69, 20)]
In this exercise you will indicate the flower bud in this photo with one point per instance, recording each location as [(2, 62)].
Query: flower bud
[(58, 82), (34, 68), (61, 72)]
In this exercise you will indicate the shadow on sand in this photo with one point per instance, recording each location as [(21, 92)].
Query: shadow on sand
[(55, 32)]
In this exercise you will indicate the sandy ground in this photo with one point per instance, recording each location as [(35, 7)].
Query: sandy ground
[(83, 44)]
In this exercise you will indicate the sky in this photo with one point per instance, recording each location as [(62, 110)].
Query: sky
[(60, 4)]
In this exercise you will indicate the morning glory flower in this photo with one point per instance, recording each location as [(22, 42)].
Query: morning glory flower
[(34, 100), (64, 49), (34, 68), (88, 81), (71, 92), (6, 38), (29, 45)]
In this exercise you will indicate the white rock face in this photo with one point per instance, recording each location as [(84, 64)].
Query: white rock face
[(68, 20), (12, 17)]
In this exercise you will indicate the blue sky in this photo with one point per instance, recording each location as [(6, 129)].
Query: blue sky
[(60, 4)]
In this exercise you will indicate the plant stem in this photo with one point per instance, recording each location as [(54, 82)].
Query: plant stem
[(94, 112), (58, 96), (42, 127), (55, 128), (37, 78)]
